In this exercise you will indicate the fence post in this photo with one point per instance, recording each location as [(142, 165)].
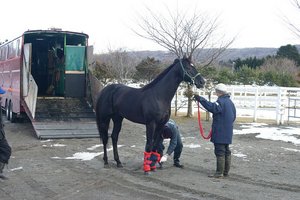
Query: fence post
[(255, 104), (278, 107), (282, 105)]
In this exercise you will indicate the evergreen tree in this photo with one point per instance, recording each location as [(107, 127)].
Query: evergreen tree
[(290, 52), (147, 69)]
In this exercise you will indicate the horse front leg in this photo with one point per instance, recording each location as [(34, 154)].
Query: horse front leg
[(150, 129), (155, 154), (115, 136)]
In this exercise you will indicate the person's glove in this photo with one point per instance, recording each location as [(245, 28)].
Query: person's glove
[(164, 158), (197, 97)]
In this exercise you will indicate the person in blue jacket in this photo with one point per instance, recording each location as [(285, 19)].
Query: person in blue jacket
[(171, 131), (224, 114), (5, 149)]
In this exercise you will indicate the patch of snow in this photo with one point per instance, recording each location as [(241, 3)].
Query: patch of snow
[(285, 134), (289, 149), (15, 169), (192, 146), (240, 155), (95, 147), (46, 140), (83, 156), (59, 145)]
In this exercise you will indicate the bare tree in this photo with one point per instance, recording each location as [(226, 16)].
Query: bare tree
[(184, 34), (119, 65), (292, 26), (280, 65)]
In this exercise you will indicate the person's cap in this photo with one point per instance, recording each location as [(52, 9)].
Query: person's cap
[(2, 91), (221, 88)]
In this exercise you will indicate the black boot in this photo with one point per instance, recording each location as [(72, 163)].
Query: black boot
[(1, 171), (220, 167), (177, 163), (227, 165)]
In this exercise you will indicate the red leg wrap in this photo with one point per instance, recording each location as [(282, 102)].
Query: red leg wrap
[(147, 161), (155, 157)]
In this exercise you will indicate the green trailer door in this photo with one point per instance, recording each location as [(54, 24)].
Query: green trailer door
[(75, 71)]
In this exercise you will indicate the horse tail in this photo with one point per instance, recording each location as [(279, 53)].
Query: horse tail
[(104, 110)]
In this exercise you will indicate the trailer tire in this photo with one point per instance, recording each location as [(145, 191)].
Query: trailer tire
[(12, 116), (7, 110)]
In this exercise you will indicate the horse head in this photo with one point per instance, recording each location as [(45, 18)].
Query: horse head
[(190, 74)]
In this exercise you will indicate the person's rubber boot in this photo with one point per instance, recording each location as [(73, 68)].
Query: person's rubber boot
[(220, 167), (227, 165), (177, 164), (1, 171)]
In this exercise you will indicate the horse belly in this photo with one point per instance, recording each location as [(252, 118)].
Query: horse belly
[(134, 115)]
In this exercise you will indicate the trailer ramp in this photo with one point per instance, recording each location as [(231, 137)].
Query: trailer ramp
[(64, 118)]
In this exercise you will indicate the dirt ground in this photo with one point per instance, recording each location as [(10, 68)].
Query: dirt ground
[(43, 169)]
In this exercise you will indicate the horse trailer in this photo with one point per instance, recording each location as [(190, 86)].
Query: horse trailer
[(45, 75)]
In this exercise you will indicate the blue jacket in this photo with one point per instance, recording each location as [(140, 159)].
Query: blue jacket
[(171, 131), (224, 114)]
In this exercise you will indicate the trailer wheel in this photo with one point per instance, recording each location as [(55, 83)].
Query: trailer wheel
[(12, 116), (7, 110)]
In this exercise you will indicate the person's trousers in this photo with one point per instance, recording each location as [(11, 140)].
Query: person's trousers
[(5, 151), (222, 150)]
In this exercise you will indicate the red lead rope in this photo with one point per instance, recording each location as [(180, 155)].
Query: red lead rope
[(200, 126)]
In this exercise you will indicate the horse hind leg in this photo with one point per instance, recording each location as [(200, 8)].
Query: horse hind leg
[(115, 136), (103, 129)]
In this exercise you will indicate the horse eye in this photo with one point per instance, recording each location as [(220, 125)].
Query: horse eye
[(192, 64)]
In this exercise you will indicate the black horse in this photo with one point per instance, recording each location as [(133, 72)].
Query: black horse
[(149, 105)]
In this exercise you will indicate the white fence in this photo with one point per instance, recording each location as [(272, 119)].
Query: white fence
[(257, 102)]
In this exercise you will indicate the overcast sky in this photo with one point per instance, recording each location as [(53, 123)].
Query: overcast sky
[(256, 23)]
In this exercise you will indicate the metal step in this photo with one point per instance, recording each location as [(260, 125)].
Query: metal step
[(64, 118), (58, 129)]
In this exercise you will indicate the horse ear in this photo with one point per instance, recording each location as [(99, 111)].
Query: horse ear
[(189, 58), (176, 60)]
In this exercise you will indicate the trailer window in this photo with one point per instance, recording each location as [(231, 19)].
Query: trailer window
[(75, 58)]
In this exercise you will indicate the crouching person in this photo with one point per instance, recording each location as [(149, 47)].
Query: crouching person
[(170, 131), (5, 150)]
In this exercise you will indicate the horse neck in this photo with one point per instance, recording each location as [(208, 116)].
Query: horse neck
[(167, 87)]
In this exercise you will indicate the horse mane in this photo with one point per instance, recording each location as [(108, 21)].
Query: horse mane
[(160, 76)]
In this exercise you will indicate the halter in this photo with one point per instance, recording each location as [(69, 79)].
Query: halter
[(185, 73)]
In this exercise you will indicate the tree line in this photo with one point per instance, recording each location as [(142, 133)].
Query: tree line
[(282, 69)]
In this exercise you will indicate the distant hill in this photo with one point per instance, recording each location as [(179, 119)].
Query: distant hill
[(232, 54), (229, 54)]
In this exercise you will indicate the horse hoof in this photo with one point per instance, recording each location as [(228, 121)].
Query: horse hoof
[(147, 173), (106, 166), (119, 165)]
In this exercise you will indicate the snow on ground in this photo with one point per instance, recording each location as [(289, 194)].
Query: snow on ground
[(192, 146), (285, 134)]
